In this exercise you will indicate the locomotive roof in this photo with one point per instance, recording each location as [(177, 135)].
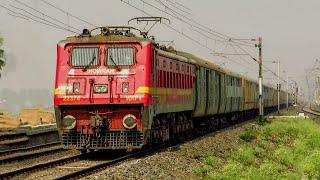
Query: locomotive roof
[(103, 39)]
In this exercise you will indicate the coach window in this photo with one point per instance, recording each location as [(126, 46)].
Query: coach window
[(120, 56), (164, 63)]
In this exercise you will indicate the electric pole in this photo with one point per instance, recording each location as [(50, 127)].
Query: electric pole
[(261, 113), (278, 87), (287, 90)]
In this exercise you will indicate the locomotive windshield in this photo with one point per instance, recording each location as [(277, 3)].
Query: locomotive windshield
[(120, 56), (84, 56)]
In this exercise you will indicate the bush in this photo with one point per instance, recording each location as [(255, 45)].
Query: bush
[(247, 136), (244, 155)]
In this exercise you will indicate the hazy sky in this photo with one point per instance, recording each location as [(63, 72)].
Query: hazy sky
[(290, 30)]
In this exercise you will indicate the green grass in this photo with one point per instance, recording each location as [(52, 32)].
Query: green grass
[(247, 136), (281, 149)]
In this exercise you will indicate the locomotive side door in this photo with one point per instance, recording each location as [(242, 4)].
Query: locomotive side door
[(155, 76)]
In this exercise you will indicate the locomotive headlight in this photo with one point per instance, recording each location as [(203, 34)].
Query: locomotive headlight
[(129, 121), (69, 122), (98, 88), (76, 87), (125, 87)]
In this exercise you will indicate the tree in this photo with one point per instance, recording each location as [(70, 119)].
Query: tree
[(2, 59)]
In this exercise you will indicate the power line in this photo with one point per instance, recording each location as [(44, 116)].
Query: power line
[(176, 17), (202, 27), (196, 40), (184, 11), (247, 53), (188, 37), (275, 74), (17, 16), (191, 27), (44, 20), (168, 26), (24, 4), (235, 50), (185, 7), (67, 13), (28, 17)]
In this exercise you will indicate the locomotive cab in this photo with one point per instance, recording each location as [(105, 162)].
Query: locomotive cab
[(101, 91)]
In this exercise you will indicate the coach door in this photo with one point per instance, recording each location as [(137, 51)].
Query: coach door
[(208, 94)]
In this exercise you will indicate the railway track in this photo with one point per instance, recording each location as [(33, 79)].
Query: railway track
[(81, 165), (310, 111), (28, 149), (40, 166), (9, 156), (172, 145), (60, 169), (84, 172), (9, 138), (83, 168)]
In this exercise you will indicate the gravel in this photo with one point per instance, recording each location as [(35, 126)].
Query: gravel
[(180, 162), (62, 170)]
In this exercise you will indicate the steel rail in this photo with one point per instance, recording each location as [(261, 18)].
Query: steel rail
[(311, 111), (41, 166), (29, 155), (94, 169), (151, 150), (31, 148)]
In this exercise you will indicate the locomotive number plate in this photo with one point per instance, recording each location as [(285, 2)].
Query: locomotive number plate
[(71, 98)]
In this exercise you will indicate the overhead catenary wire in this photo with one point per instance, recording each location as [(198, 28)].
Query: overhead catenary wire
[(46, 15), (185, 7), (237, 52), (177, 7), (43, 19), (128, 3), (178, 18), (17, 16), (168, 26), (199, 26), (183, 34), (230, 39), (68, 13), (49, 23), (273, 73), (26, 17)]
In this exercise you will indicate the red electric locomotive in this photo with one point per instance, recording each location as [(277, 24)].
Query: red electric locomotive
[(116, 90), (112, 91)]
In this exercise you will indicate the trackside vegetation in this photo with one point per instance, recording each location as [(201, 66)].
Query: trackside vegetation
[(281, 149)]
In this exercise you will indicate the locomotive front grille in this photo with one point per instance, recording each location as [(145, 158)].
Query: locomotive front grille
[(110, 140)]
